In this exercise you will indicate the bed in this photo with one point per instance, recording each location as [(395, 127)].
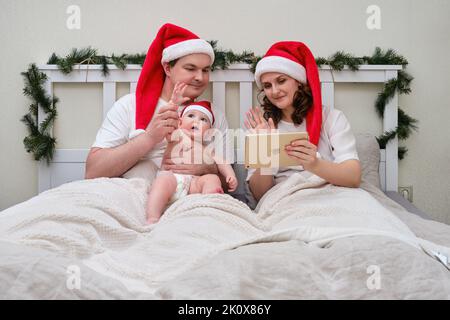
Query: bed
[(305, 239)]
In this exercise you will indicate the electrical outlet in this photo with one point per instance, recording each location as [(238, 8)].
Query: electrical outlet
[(406, 192)]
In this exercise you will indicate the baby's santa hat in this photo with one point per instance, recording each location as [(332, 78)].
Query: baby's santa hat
[(171, 42), (202, 106), (296, 60)]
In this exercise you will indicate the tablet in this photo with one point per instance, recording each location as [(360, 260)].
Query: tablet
[(266, 150)]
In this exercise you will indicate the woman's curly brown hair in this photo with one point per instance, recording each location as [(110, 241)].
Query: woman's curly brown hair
[(302, 103)]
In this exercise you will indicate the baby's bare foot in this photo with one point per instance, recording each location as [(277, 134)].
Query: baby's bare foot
[(152, 220)]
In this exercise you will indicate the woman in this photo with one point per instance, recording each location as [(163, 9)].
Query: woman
[(289, 78)]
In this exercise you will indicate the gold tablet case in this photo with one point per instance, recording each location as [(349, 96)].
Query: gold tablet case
[(271, 146)]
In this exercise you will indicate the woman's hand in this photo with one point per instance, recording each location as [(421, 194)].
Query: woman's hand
[(256, 122), (304, 152)]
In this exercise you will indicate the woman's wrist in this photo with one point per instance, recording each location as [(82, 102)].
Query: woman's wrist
[(315, 166)]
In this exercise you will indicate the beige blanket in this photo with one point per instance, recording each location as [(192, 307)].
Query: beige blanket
[(306, 239)]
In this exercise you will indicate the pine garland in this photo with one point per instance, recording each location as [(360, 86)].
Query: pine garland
[(42, 144), (90, 56), (223, 59), (401, 85), (39, 141)]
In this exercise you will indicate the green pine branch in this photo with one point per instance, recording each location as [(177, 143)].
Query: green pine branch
[(119, 61), (385, 137), (135, 58), (388, 57), (405, 125), (34, 87), (39, 142), (224, 58), (402, 151), (87, 56)]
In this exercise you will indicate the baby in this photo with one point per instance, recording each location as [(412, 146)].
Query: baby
[(195, 119)]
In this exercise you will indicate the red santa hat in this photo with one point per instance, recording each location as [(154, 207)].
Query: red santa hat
[(171, 42), (296, 60), (202, 106)]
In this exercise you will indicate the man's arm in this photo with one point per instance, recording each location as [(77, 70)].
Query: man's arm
[(225, 169), (113, 162)]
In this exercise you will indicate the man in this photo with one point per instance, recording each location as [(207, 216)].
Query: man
[(137, 125)]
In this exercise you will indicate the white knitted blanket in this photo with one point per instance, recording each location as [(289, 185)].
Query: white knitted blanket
[(101, 223)]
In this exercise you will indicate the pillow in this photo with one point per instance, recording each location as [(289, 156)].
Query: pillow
[(369, 156), (144, 169)]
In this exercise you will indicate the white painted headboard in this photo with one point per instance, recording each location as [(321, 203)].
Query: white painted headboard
[(69, 164)]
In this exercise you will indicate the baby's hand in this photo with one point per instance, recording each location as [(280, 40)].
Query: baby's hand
[(177, 94), (232, 183)]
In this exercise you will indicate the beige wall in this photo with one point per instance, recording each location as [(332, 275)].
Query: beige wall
[(31, 30)]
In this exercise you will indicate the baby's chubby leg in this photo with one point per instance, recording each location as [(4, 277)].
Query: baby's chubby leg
[(160, 193), (208, 183)]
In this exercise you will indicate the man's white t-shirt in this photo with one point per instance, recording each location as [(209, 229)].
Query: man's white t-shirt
[(119, 127), (337, 142)]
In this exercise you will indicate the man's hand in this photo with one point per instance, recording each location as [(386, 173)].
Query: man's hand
[(193, 169), (163, 123), (232, 183), (188, 157)]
